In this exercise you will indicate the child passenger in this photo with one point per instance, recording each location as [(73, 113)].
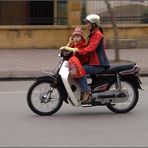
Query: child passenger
[(77, 42)]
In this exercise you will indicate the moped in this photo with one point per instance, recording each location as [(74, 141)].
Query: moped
[(117, 88)]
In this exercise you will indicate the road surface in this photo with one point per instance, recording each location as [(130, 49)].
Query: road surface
[(70, 126)]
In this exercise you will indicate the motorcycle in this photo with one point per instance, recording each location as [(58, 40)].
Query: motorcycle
[(117, 88)]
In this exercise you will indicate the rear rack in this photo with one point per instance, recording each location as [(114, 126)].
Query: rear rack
[(134, 70)]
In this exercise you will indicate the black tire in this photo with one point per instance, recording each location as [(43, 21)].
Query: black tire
[(31, 99), (133, 103)]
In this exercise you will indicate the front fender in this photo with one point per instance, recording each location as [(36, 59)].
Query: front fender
[(49, 77), (57, 82)]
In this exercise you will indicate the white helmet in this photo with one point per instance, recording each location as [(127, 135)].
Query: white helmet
[(94, 19)]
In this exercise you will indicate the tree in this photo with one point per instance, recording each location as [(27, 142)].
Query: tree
[(113, 21)]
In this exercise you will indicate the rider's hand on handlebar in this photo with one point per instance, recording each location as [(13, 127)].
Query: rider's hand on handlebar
[(76, 53)]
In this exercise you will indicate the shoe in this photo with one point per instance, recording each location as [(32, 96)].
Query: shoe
[(85, 97)]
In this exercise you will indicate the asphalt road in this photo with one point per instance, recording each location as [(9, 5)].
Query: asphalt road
[(70, 126)]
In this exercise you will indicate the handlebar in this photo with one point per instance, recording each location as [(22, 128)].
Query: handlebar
[(66, 54)]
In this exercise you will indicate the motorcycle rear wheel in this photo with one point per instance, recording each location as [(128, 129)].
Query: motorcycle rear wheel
[(130, 103), (43, 99)]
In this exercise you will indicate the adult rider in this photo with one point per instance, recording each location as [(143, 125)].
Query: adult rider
[(94, 49)]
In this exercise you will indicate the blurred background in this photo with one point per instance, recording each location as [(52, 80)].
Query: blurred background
[(48, 24)]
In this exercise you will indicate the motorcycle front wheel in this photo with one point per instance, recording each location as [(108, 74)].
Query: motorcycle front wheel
[(132, 100), (43, 99)]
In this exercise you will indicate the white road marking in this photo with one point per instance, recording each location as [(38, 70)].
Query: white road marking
[(13, 92)]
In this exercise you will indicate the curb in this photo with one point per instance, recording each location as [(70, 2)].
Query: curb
[(33, 75), (21, 75)]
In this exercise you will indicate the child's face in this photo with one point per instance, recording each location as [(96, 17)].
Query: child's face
[(77, 38)]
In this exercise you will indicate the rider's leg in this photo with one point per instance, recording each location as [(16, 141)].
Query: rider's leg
[(93, 69), (83, 84), (83, 81)]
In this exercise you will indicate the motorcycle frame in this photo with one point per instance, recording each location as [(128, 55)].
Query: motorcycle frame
[(71, 85), (71, 89)]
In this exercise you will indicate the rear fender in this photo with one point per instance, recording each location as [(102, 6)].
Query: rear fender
[(135, 80), (138, 82), (57, 82)]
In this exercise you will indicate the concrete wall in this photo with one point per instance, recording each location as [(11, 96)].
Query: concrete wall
[(131, 36), (33, 36)]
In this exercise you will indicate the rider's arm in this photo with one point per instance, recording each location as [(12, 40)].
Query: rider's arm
[(94, 41), (69, 48)]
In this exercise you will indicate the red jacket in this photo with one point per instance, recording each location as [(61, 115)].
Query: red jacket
[(95, 50), (81, 45)]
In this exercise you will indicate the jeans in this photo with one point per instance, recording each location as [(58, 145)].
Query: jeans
[(89, 70)]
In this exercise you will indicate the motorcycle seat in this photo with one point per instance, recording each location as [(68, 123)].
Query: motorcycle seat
[(115, 68)]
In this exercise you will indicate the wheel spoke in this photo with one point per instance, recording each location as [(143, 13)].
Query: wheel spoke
[(131, 101), (43, 99)]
